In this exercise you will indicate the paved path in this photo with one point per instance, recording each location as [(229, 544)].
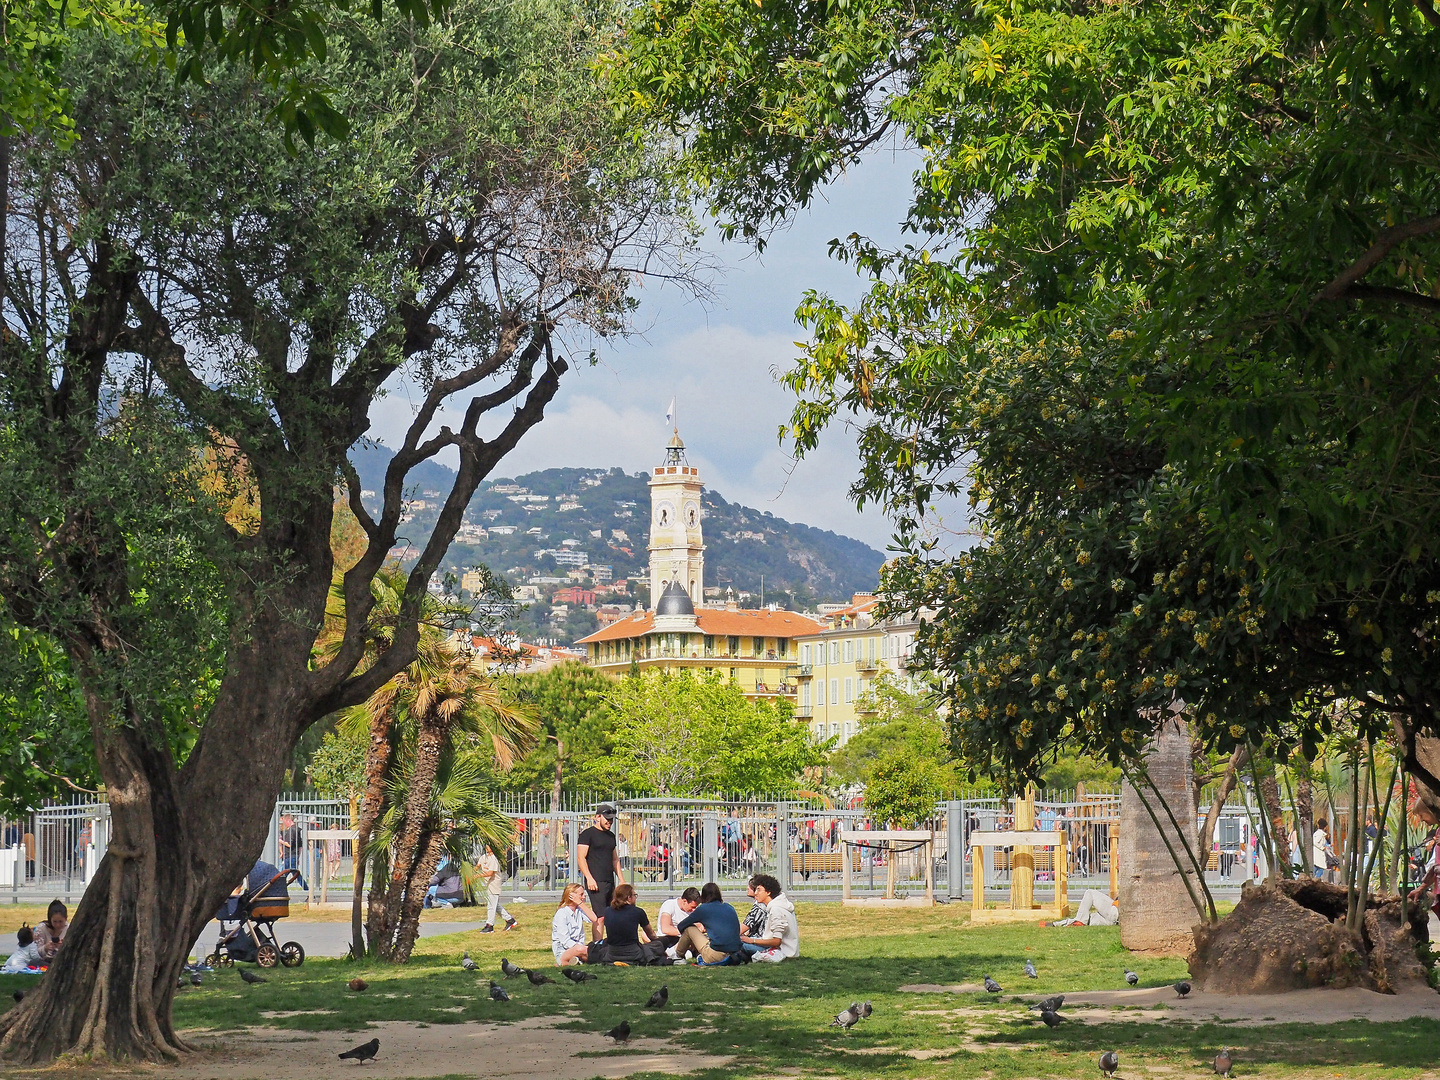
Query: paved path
[(331, 938)]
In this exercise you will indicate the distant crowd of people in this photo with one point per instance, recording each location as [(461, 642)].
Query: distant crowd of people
[(600, 921)]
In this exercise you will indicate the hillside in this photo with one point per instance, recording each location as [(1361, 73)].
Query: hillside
[(590, 527)]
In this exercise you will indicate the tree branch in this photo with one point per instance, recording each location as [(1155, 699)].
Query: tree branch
[(1388, 240)]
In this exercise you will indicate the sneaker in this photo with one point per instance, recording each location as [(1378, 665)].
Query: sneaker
[(487, 929), (512, 925)]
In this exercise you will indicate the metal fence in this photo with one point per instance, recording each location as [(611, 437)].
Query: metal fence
[(666, 844)]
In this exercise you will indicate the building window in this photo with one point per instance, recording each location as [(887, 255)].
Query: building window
[(872, 649), (834, 652), (849, 729), (819, 731), (849, 690), (835, 691), (757, 646), (805, 695), (849, 650), (834, 729), (734, 646), (732, 674), (804, 654), (820, 693), (782, 646)]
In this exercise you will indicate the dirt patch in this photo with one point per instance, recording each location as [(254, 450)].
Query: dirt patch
[(527, 1049), (942, 988)]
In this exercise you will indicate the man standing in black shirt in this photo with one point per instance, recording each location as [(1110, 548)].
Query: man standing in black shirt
[(599, 859)]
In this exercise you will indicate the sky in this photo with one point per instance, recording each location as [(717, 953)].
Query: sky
[(719, 361)]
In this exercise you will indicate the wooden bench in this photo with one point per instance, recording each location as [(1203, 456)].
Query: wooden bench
[(821, 862)]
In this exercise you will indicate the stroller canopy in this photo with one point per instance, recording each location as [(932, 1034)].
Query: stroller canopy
[(261, 881)]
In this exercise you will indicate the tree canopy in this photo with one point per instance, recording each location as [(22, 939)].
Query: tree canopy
[(1168, 325)]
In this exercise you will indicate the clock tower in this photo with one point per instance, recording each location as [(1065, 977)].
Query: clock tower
[(677, 552)]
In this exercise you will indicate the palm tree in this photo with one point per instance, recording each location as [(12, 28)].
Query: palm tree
[(444, 696), (445, 691)]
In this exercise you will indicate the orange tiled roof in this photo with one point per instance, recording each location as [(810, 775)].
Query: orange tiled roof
[(742, 623)]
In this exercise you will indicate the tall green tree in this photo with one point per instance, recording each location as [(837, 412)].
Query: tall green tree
[(572, 703), (694, 733), (181, 259), (1168, 326)]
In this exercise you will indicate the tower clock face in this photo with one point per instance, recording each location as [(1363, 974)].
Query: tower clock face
[(692, 515), (664, 514)]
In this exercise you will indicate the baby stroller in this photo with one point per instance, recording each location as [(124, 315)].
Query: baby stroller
[(265, 899)]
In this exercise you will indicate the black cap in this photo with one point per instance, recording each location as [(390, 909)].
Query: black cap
[(605, 810)]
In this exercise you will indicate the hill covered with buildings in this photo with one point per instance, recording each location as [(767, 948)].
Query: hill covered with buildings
[(573, 544)]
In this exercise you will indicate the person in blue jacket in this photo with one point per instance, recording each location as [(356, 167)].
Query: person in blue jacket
[(711, 931)]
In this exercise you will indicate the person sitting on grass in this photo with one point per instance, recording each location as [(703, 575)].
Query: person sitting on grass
[(1096, 909), (671, 912), (51, 933), (567, 928), (446, 887), (26, 959), (711, 931), (779, 938), (627, 928)]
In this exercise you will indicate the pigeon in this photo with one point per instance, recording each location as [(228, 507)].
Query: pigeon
[(578, 976), (536, 979), (1052, 1019), (620, 1032), (363, 1052), (1030, 972), (1183, 989), (19, 996), (1132, 978), (196, 980), (471, 965), (1109, 1062), (358, 985), (865, 1011), (991, 986), (510, 970), (849, 1018), (1050, 1004), (660, 998), (497, 992), (1223, 1062), (251, 977)]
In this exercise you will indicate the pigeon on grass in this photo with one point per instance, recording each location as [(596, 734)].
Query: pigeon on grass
[(1109, 1062), (1052, 1019), (19, 996), (1050, 1004), (510, 970), (358, 985), (1030, 972), (363, 1052), (1224, 1062), (848, 1018), (620, 1032), (660, 998), (537, 979), (196, 980), (467, 963), (1131, 977), (251, 977), (865, 1011), (578, 976), (497, 992), (991, 986), (1183, 989)]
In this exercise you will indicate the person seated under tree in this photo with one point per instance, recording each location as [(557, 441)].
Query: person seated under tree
[(1096, 909)]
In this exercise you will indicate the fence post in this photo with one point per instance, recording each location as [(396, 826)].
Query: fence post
[(272, 839), (712, 840), (954, 850), (782, 845), (572, 830)]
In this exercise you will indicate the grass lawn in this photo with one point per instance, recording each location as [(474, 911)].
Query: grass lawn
[(774, 1018)]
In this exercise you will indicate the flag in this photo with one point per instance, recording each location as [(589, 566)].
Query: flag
[(670, 414)]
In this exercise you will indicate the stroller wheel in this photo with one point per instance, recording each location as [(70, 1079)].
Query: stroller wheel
[(292, 954), (267, 956), (215, 960)]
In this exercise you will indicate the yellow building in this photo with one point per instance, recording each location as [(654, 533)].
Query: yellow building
[(755, 649), (839, 664)]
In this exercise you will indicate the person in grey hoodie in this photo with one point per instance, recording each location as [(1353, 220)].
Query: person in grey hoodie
[(779, 938)]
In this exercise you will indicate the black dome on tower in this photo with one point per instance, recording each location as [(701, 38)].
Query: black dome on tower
[(674, 601)]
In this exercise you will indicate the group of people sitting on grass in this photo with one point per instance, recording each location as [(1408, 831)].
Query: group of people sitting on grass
[(697, 926)]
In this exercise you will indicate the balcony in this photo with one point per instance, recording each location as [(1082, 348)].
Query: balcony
[(863, 664), (804, 671), (804, 711)]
